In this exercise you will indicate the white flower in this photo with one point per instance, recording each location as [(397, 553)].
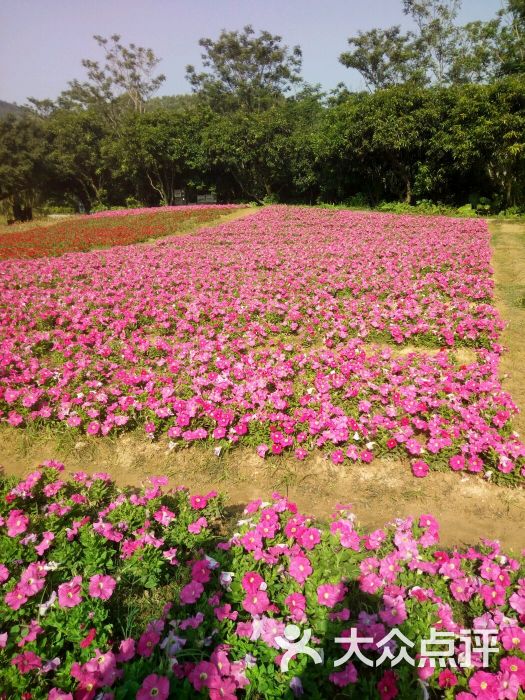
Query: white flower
[(44, 607)]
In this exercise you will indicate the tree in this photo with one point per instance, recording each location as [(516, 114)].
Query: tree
[(23, 164), (160, 151), (438, 34), (429, 55), (384, 57), (512, 37), (244, 70), (76, 155), (125, 81)]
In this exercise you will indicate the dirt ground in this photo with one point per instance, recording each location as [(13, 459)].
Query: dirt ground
[(466, 507)]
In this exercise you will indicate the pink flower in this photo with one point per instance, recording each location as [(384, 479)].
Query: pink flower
[(457, 463), (256, 602), (198, 502), (203, 675), (57, 694), (26, 661), (191, 592), (33, 630), (147, 643), (90, 636), (419, 468), (70, 594), (154, 686), (101, 586), (484, 685), (93, 428), (345, 677), (251, 581), (447, 679), (330, 594), (4, 573), (47, 538), (299, 568), (223, 689), (15, 598), (395, 611), (17, 523), (387, 686), (164, 516), (513, 638), (199, 525), (310, 537), (126, 650)]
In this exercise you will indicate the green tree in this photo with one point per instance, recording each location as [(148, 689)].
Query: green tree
[(160, 152), (384, 57), (244, 70), (24, 167), (76, 156), (124, 82)]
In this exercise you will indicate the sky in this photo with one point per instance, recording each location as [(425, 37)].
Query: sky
[(42, 42)]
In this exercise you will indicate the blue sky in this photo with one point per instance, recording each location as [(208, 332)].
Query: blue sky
[(43, 41)]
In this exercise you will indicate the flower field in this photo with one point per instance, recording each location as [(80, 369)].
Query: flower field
[(86, 232), (290, 330), (150, 592)]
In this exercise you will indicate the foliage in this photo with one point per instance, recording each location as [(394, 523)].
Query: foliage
[(125, 81), (245, 71)]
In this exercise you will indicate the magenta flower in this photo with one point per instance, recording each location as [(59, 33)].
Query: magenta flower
[(252, 581), (101, 586), (15, 598), (457, 463), (70, 594), (484, 685), (164, 516), (299, 568), (26, 661), (203, 675), (191, 593), (147, 643), (330, 594), (256, 602), (154, 686), (198, 502), (57, 694), (387, 686), (126, 650), (16, 522), (419, 468)]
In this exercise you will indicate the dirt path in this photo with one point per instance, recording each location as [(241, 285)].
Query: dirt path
[(508, 244), (467, 507)]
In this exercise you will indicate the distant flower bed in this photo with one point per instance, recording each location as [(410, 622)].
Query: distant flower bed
[(144, 593), (110, 213), (83, 233), (261, 332)]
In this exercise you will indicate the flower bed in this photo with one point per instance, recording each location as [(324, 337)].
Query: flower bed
[(261, 332), (113, 593), (86, 232)]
